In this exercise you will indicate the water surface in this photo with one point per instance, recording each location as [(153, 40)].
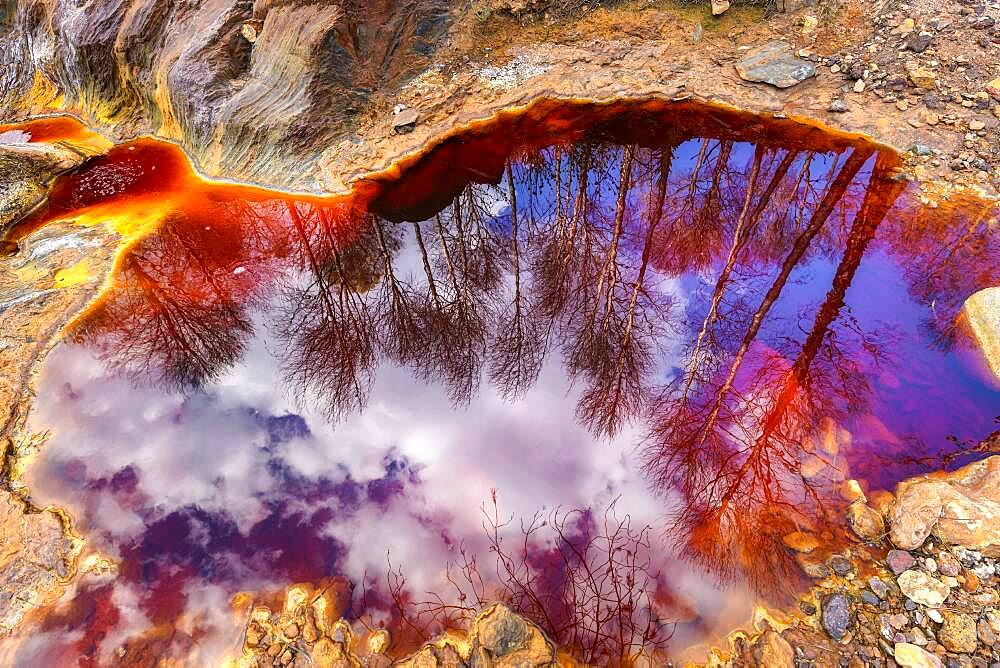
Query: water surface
[(645, 341)]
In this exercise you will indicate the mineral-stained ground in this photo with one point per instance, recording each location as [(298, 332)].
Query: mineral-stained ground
[(734, 276)]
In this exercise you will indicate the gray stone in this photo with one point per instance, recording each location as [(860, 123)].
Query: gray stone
[(918, 43), (405, 121), (774, 64), (878, 587), (842, 566), (869, 598), (836, 614), (838, 106)]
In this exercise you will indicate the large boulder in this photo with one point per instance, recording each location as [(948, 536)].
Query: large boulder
[(960, 508), (982, 312)]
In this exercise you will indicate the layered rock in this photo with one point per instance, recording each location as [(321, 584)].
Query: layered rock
[(28, 170), (256, 86), (36, 559), (960, 508)]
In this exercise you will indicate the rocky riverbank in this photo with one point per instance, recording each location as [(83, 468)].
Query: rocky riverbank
[(250, 98)]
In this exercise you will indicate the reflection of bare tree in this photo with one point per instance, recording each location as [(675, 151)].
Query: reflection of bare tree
[(328, 326), (518, 348), (588, 582), (177, 314), (736, 450)]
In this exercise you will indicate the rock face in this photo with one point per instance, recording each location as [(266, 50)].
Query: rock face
[(982, 311), (961, 508), (27, 170), (774, 64), (36, 560), (254, 85)]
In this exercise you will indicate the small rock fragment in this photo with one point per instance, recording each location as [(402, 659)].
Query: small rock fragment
[(840, 565), (922, 77), (836, 614), (901, 560), (905, 27), (405, 121), (251, 30), (719, 7), (993, 88), (912, 656), (865, 521), (986, 634), (918, 43), (922, 588), (958, 632), (838, 107)]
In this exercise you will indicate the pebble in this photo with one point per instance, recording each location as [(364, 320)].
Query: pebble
[(958, 633), (947, 564), (836, 614), (918, 43), (859, 86), (922, 588), (899, 621), (901, 560), (838, 106), (985, 633), (840, 565), (878, 587), (934, 615), (976, 125), (905, 27), (405, 121), (909, 655)]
